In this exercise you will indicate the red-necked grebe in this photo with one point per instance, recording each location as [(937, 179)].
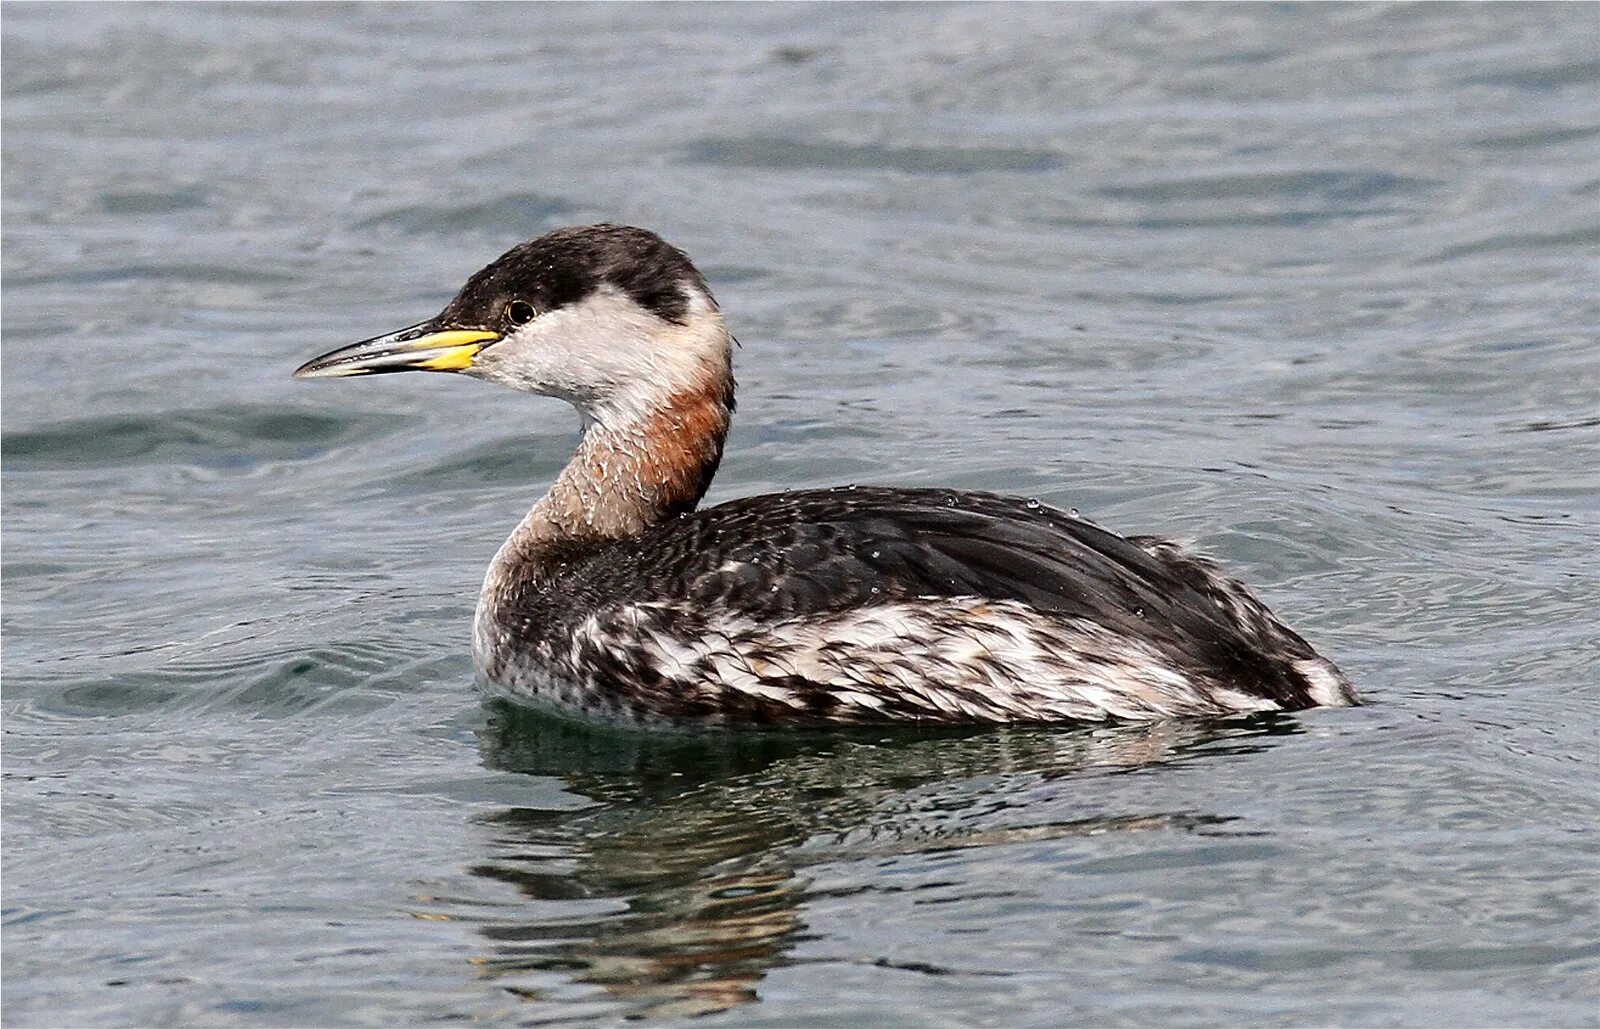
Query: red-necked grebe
[(617, 599)]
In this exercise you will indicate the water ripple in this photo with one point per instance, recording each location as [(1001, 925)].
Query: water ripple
[(782, 152), (228, 436), (517, 215)]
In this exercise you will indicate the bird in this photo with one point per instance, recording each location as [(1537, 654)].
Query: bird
[(618, 598)]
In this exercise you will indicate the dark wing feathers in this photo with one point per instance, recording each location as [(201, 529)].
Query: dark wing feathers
[(788, 555)]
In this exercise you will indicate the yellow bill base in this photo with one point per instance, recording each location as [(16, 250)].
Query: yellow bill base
[(463, 345)]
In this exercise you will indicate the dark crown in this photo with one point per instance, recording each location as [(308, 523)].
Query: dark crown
[(566, 266)]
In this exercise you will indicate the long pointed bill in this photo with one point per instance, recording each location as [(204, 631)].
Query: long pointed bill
[(420, 348)]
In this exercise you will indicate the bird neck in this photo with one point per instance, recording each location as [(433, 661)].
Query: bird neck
[(634, 470), (634, 467)]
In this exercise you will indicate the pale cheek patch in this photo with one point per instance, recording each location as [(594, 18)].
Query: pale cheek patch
[(614, 359)]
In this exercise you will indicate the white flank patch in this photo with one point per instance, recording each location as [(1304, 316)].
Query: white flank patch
[(1325, 686)]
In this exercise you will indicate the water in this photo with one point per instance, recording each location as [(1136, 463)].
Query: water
[(1314, 286)]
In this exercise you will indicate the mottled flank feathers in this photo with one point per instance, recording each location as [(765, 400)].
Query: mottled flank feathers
[(859, 605)]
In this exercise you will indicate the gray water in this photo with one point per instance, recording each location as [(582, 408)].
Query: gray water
[(1315, 287)]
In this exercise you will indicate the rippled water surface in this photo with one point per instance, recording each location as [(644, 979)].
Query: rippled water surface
[(1314, 286)]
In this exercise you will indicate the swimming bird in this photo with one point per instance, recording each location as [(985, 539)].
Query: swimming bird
[(618, 598)]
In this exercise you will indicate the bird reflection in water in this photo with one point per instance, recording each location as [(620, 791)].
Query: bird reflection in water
[(686, 878)]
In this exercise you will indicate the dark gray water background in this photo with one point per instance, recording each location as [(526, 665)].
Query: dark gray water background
[(1313, 286)]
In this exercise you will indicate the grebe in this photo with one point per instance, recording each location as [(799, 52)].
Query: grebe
[(616, 599)]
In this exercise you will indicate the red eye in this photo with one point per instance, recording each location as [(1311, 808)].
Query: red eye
[(520, 312)]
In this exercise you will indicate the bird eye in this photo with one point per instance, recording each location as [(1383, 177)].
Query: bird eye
[(520, 312)]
